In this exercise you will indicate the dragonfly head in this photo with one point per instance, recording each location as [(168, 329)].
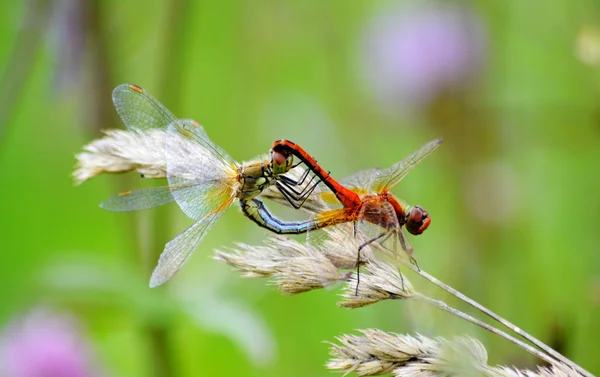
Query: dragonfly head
[(281, 162), (417, 220)]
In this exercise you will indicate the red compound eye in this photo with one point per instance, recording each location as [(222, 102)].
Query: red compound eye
[(279, 158), (417, 220)]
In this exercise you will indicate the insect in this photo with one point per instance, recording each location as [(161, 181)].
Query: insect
[(203, 179), (367, 198)]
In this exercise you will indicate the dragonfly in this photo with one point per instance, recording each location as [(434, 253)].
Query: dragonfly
[(203, 179), (365, 197)]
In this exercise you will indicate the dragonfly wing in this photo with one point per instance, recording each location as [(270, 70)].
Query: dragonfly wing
[(138, 199), (179, 249), (362, 179), (388, 178), (194, 131), (189, 164), (340, 245), (139, 110), (145, 198), (203, 184)]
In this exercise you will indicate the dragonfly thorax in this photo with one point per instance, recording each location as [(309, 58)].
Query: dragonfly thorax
[(254, 177), (377, 210)]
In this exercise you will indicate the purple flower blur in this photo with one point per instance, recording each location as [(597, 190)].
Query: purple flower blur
[(68, 36), (413, 53), (44, 344)]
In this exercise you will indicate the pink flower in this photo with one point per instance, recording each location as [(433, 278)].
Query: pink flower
[(412, 53), (44, 344)]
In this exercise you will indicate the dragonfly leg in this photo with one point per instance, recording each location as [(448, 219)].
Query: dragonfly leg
[(298, 182), (307, 194), (290, 183), (289, 195), (383, 235), (414, 261), (295, 198), (298, 195), (408, 249)]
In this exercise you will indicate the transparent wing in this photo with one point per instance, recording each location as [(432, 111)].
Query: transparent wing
[(340, 245), (138, 199), (386, 179), (145, 198), (189, 164), (194, 131), (179, 249), (362, 179), (140, 110)]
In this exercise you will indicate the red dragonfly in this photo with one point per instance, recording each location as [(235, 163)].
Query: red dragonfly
[(367, 198)]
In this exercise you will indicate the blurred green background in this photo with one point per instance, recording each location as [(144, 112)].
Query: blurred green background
[(513, 192)]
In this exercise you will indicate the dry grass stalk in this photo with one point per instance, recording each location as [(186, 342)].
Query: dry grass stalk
[(377, 352), (299, 267), (542, 351), (554, 371), (340, 245), (123, 151), (381, 281), (295, 267)]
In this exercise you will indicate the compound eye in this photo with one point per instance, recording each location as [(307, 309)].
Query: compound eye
[(417, 220), (278, 158), (281, 162)]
